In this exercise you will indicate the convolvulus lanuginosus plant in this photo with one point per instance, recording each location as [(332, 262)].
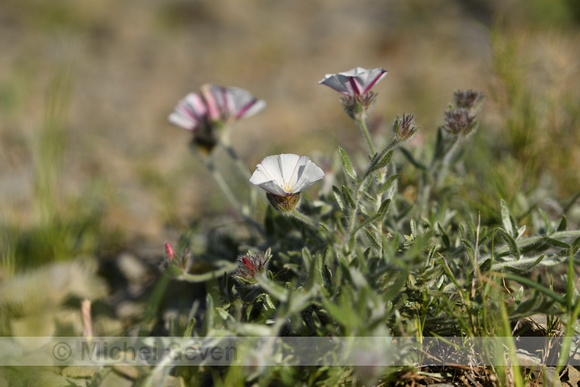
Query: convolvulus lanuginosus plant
[(363, 259)]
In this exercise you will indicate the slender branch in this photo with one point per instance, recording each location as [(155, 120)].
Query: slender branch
[(245, 172), (230, 195), (362, 124), (305, 218), (242, 167)]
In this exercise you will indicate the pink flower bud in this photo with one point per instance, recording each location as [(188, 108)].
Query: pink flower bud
[(169, 251)]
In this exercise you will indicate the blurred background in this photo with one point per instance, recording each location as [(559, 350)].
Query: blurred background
[(90, 166)]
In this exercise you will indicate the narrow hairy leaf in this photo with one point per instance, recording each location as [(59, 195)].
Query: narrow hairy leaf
[(274, 289), (384, 208), (557, 243), (378, 161), (327, 278), (547, 222), (563, 224), (226, 267), (412, 159), (523, 265), (189, 329), (444, 237), (366, 222), (372, 239), (533, 284), (510, 242), (388, 183), (574, 246), (339, 198), (347, 197), (347, 164), (507, 219)]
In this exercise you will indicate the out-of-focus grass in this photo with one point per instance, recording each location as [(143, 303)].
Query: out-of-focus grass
[(63, 227)]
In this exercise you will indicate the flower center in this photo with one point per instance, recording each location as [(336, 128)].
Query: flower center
[(287, 187)]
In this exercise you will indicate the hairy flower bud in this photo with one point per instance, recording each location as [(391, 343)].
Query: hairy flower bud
[(404, 128), (460, 122), (250, 265), (468, 99)]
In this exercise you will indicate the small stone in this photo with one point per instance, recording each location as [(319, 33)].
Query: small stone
[(573, 376), (113, 379), (127, 371), (552, 377), (80, 372), (525, 359), (132, 267), (48, 379)]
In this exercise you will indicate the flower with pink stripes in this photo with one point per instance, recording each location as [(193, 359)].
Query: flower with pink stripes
[(356, 86), (355, 82), (215, 108)]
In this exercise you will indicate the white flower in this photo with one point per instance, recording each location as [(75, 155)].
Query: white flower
[(286, 174), (355, 82)]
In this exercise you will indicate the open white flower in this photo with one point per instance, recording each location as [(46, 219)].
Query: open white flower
[(284, 177), (355, 82), (286, 174)]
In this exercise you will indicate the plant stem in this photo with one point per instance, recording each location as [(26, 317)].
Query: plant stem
[(230, 195), (242, 168), (444, 167), (305, 218), (362, 124)]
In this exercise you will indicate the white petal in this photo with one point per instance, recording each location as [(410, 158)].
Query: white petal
[(233, 101), (288, 165), (356, 81), (256, 106), (188, 112), (268, 177), (194, 105), (270, 169), (353, 72), (273, 188), (261, 176), (297, 171), (333, 82), (370, 77), (182, 121), (309, 175)]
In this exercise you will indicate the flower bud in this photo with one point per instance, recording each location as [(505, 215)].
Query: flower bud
[(250, 265), (283, 204), (468, 99), (460, 122), (404, 128), (169, 251)]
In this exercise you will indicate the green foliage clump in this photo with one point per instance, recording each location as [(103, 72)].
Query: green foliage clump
[(379, 254)]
